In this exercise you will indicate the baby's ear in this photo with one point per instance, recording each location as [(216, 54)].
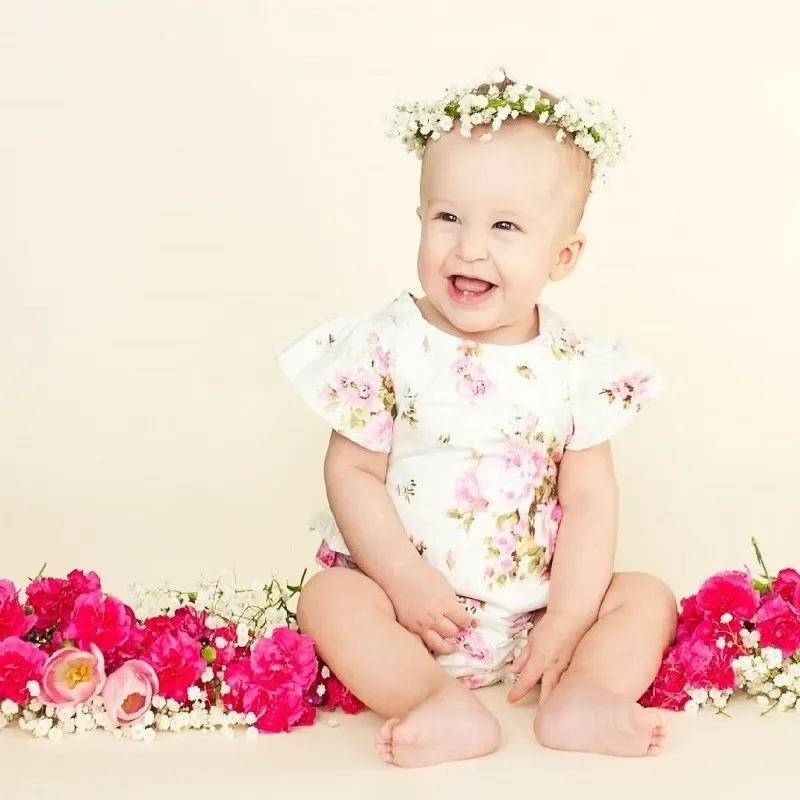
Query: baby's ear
[(568, 257), (419, 213)]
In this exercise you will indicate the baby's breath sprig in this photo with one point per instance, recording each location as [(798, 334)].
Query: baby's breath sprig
[(594, 128)]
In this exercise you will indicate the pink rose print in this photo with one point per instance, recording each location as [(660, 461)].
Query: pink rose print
[(470, 500), (361, 389), (472, 381), (377, 434), (548, 524), (631, 391), (472, 643), (524, 467)]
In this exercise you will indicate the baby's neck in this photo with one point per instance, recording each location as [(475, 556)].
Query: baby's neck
[(503, 335)]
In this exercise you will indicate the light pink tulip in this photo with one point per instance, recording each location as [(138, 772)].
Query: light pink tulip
[(73, 676), (128, 693)]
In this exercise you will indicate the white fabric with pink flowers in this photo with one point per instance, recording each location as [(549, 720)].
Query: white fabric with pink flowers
[(474, 435)]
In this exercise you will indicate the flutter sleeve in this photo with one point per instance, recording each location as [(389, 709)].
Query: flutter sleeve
[(609, 385), (343, 371)]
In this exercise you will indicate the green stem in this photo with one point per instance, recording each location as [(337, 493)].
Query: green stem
[(764, 571)]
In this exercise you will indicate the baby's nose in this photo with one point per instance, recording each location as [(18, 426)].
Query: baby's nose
[(472, 244)]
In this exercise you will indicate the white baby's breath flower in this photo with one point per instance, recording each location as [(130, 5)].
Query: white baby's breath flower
[(173, 706), (33, 688), (333, 723), (762, 700), (251, 733), (228, 733), (691, 707), (721, 643), (208, 675), (486, 137), (250, 718), (158, 702), (162, 722), (194, 693), (773, 657), (149, 735), (55, 734), (9, 708), (726, 618), (497, 76)]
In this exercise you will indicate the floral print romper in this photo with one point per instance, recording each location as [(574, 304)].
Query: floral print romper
[(475, 433)]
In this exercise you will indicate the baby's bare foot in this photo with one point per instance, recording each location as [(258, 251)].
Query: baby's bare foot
[(451, 725), (592, 719)]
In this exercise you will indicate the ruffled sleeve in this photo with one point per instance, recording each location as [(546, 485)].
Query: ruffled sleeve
[(609, 385), (343, 371)]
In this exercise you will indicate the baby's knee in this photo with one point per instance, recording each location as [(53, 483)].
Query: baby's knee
[(335, 591)]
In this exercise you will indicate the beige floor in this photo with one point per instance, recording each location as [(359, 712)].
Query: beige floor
[(711, 757)]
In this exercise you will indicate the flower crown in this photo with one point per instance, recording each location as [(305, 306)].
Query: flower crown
[(594, 129)]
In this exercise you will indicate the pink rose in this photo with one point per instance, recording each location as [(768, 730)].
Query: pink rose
[(469, 498), (128, 692), (176, 659), (99, 620), (53, 599), (73, 676), (778, 622), (377, 434), (728, 593), (787, 586), (13, 620), (20, 662)]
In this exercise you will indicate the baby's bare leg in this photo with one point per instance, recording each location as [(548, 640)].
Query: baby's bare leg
[(594, 706), (431, 717)]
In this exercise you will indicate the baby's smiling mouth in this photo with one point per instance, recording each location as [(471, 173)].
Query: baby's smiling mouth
[(469, 285)]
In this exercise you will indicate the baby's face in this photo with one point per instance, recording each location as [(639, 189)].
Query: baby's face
[(498, 221)]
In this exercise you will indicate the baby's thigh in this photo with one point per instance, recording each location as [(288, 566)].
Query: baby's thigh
[(337, 594)]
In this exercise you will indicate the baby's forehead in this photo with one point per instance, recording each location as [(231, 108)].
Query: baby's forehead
[(522, 159)]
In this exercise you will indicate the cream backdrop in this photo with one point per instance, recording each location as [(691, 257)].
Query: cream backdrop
[(184, 184)]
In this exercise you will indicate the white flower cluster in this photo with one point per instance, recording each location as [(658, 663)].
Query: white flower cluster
[(46, 721), (594, 128), (771, 679), (259, 609)]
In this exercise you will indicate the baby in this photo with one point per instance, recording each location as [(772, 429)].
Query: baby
[(470, 434)]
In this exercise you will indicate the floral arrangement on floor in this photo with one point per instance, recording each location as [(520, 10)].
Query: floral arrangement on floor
[(217, 657), (736, 634)]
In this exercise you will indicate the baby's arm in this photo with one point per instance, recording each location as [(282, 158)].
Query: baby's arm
[(423, 600), (584, 560), (355, 483)]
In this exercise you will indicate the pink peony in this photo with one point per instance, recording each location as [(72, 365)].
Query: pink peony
[(778, 622), (689, 618), (53, 599), (13, 620), (284, 657), (176, 659), (99, 620), (787, 586), (128, 692), (73, 676), (669, 688), (728, 593), (20, 662), (339, 696)]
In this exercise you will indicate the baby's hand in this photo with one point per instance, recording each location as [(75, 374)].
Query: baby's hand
[(546, 656), (427, 605)]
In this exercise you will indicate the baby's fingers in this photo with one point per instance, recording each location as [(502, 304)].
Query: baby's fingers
[(460, 616), (436, 644)]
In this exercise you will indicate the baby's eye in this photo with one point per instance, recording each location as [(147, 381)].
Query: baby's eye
[(445, 216), (505, 225)]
